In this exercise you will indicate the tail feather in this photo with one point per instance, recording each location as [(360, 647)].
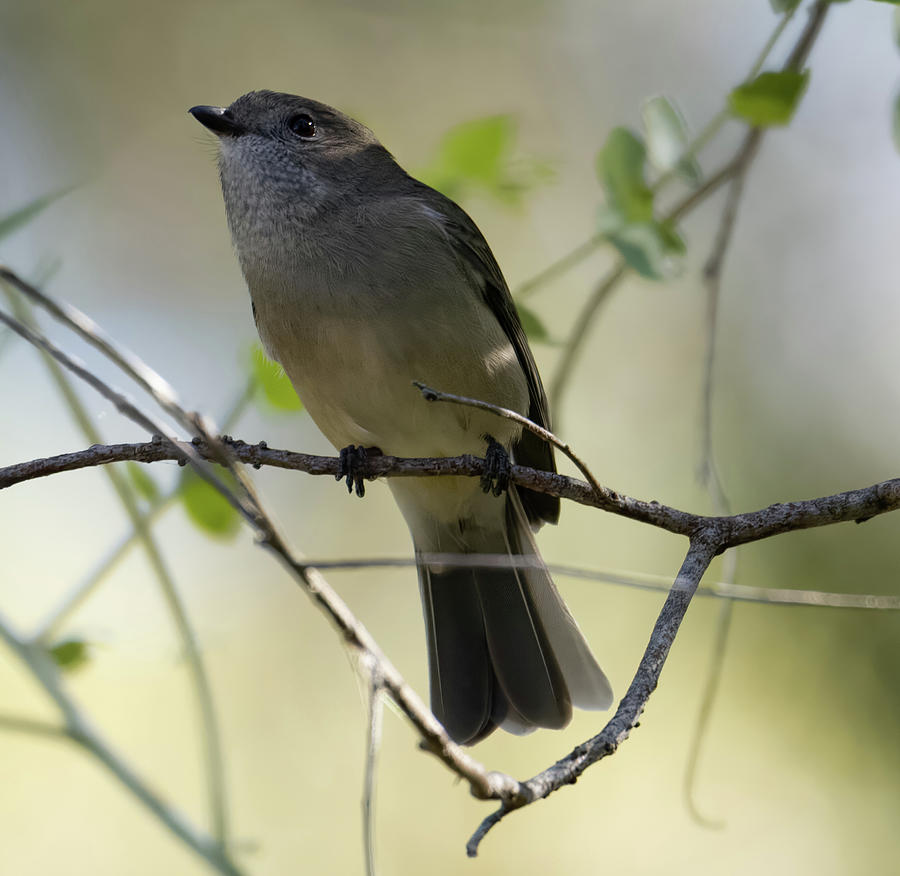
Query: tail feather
[(503, 648), (461, 677), (588, 685)]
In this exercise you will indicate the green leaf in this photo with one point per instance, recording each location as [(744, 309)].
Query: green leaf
[(896, 124), (667, 138), (533, 325), (891, 2), (14, 221), (897, 27), (479, 153), (620, 166), (770, 99), (206, 507), (477, 149), (783, 6), (652, 249), (142, 482), (70, 654), (273, 382)]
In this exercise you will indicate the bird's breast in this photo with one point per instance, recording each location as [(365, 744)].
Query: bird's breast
[(352, 349)]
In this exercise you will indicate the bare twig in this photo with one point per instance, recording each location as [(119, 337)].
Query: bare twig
[(375, 714), (588, 247), (16, 724), (61, 613), (435, 739), (617, 730), (708, 472), (77, 729), (545, 434), (584, 321), (561, 266), (708, 535), (210, 739), (704, 714), (638, 580)]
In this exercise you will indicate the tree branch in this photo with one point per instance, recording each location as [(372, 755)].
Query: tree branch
[(617, 730), (853, 505), (76, 729), (435, 739)]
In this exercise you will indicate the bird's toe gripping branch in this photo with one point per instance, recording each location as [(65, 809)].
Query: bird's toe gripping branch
[(352, 467), (497, 467)]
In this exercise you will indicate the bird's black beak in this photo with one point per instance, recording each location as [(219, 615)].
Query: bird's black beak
[(217, 119)]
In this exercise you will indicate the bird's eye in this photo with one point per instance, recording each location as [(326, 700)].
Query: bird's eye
[(302, 125)]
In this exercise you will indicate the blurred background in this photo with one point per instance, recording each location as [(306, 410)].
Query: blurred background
[(801, 764)]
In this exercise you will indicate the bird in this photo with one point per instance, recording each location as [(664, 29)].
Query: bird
[(364, 280)]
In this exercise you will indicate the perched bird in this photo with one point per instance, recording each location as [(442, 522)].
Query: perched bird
[(364, 280)]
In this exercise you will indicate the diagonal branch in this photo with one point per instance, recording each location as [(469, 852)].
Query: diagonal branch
[(617, 730), (483, 784), (210, 740), (77, 729), (708, 536)]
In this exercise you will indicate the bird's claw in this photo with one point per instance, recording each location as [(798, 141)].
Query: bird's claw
[(352, 467), (497, 468)]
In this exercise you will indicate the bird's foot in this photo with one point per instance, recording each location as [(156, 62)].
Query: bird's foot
[(352, 467), (497, 467)]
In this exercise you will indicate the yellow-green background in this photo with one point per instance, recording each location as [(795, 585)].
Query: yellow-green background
[(802, 759)]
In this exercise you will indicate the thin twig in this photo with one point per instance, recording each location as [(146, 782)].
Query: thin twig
[(708, 473), (78, 730), (61, 613), (628, 713), (708, 698), (435, 739), (561, 266), (638, 580), (210, 739), (545, 434), (588, 247), (375, 713), (573, 345), (31, 727), (575, 342)]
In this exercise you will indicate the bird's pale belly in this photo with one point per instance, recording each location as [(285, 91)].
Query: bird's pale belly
[(355, 377)]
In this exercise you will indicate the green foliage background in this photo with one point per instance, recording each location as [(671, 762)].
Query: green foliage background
[(545, 120)]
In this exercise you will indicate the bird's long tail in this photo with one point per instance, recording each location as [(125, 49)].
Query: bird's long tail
[(503, 648)]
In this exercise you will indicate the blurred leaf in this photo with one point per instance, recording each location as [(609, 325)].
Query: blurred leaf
[(206, 507), (477, 149), (620, 166), (479, 153), (650, 248), (273, 382), (667, 138), (770, 99), (14, 221), (891, 2), (70, 654), (897, 27), (782, 6), (141, 481), (533, 325), (672, 241), (896, 125)]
